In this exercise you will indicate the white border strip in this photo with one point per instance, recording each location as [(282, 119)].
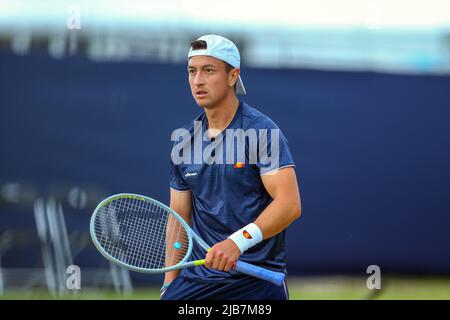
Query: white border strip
[(187, 190), (268, 172)]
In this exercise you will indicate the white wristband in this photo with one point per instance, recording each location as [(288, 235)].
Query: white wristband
[(247, 237)]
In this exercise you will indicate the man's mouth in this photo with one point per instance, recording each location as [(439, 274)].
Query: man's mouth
[(201, 93)]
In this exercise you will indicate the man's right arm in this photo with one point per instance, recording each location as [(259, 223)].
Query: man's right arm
[(181, 203)]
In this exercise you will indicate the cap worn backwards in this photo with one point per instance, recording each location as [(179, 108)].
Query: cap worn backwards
[(223, 49)]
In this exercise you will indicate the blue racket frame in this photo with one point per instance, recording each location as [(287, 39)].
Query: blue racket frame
[(243, 267)]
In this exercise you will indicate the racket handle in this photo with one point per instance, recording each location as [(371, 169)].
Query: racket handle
[(261, 273)]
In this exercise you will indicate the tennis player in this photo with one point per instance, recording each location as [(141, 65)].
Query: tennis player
[(243, 208)]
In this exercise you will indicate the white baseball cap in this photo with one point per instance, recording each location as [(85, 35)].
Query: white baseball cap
[(223, 49)]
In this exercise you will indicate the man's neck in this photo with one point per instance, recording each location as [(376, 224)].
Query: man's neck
[(221, 116)]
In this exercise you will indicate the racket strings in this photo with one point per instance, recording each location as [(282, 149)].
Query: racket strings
[(141, 234)]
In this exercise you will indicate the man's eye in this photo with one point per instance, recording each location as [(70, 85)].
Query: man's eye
[(191, 71), (209, 70)]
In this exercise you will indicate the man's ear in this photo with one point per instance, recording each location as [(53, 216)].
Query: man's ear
[(233, 76)]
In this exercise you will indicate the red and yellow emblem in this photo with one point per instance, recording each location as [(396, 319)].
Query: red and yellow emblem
[(247, 235), (239, 165)]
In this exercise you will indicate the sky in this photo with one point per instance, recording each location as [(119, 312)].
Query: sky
[(377, 14)]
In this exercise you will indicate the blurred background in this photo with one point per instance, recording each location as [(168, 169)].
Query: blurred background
[(90, 92)]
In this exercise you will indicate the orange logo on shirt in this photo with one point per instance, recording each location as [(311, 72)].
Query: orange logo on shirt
[(239, 165), (247, 235)]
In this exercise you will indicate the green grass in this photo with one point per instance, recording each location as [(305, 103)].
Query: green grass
[(323, 288), (354, 288), (84, 294)]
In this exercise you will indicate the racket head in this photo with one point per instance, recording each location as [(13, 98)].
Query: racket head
[(131, 231)]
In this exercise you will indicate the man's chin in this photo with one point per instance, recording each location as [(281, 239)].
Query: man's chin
[(203, 104)]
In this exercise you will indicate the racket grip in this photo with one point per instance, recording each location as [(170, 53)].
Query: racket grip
[(261, 273)]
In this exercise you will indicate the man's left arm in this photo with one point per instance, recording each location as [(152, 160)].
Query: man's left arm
[(286, 206), (283, 210)]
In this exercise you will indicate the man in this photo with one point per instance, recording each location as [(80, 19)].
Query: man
[(241, 208)]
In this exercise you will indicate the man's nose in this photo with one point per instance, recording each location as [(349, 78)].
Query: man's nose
[(199, 79)]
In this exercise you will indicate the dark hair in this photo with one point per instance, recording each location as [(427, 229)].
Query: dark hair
[(228, 67), (199, 45)]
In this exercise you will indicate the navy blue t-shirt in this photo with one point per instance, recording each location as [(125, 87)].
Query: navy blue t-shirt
[(227, 195)]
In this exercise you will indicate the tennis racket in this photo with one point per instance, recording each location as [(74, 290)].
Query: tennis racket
[(144, 235)]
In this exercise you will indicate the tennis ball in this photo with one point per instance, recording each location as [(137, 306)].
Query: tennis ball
[(177, 245)]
